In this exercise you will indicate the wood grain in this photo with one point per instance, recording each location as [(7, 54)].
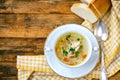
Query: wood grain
[(11, 47), (33, 25), (8, 71), (39, 6), (24, 27)]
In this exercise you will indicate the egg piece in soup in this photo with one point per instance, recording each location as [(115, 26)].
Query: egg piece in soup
[(71, 48)]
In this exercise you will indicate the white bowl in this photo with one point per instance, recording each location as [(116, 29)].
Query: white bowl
[(78, 70)]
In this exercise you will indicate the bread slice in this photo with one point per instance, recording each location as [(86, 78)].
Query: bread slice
[(84, 12)]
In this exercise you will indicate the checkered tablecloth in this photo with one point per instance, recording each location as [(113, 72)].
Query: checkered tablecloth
[(36, 67)]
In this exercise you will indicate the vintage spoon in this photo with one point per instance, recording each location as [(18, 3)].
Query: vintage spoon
[(101, 34)]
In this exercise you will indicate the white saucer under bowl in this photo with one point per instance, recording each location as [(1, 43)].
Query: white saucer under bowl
[(71, 72)]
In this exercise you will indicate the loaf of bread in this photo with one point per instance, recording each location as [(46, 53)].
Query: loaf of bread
[(91, 10)]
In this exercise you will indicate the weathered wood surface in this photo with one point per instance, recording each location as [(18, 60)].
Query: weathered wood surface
[(24, 26), (11, 47), (35, 18), (33, 25), (38, 6)]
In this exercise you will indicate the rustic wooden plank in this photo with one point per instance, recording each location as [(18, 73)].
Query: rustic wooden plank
[(30, 45), (12, 57), (11, 47), (8, 58), (8, 71), (5, 5), (11, 65), (9, 78), (37, 6), (33, 25)]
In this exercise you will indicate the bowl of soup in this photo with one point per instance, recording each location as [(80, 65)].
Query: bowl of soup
[(72, 49), (69, 45)]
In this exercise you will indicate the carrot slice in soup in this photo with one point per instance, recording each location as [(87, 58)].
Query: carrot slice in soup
[(66, 59), (84, 56)]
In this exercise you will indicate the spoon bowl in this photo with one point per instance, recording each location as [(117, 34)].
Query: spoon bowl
[(101, 31)]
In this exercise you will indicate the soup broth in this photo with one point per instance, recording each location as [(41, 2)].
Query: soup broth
[(71, 48)]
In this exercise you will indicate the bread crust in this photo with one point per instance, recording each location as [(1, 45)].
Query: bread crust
[(93, 10), (99, 7)]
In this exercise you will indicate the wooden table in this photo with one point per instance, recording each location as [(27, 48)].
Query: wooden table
[(24, 26)]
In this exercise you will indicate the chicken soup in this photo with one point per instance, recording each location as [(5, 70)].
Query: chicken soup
[(71, 48)]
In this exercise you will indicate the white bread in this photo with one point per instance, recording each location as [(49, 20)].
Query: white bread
[(92, 11), (86, 1), (84, 12)]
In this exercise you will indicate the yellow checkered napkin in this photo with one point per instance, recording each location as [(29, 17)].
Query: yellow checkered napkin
[(36, 67)]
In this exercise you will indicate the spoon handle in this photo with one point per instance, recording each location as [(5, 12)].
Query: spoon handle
[(103, 74)]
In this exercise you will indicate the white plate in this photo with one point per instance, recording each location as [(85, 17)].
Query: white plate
[(71, 72)]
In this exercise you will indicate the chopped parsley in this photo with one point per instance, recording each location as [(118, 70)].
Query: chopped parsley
[(81, 46), (78, 39), (71, 49), (64, 51), (76, 53), (68, 37)]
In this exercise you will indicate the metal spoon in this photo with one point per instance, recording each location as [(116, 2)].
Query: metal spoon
[(101, 34)]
